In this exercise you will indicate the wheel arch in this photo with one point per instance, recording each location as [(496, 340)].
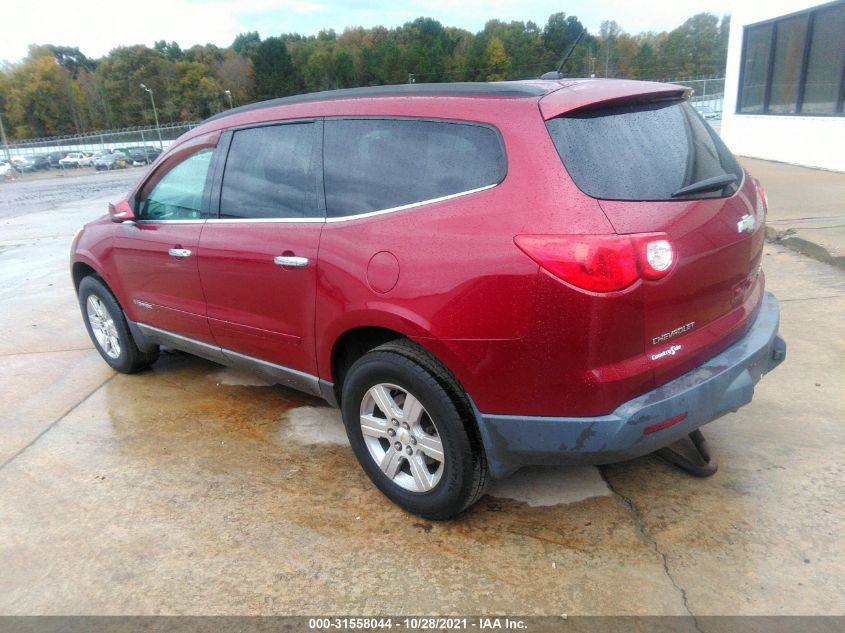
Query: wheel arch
[(356, 341), (84, 264), (350, 346), (79, 270), (82, 268)]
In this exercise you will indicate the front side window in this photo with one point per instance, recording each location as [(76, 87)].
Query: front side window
[(177, 195), (271, 172), (378, 164)]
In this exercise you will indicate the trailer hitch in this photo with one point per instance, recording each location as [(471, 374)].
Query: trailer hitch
[(690, 454)]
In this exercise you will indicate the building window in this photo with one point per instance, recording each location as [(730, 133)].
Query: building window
[(821, 89), (758, 42), (795, 64)]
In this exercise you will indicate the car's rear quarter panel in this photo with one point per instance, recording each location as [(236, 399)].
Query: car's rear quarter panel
[(465, 291)]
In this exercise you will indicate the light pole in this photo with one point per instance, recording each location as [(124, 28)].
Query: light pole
[(4, 141), (155, 114), (229, 94)]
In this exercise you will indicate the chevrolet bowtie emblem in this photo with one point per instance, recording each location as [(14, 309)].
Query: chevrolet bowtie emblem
[(745, 224)]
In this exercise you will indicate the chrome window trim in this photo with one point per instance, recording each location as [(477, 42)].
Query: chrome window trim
[(170, 221), (266, 220), (404, 207), (347, 218)]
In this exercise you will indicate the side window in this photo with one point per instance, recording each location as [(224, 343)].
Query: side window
[(178, 194), (377, 164), (271, 173)]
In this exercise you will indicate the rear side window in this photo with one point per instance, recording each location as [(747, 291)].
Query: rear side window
[(271, 172), (642, 152), (377, 164)]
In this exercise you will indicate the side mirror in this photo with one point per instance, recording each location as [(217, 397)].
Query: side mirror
[(121, 212)]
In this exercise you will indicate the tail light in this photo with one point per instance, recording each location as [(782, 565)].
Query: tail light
[(601, 263), (761, 209), (761, 196), (656, 257)]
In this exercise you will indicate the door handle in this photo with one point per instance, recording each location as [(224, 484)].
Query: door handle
[(290, 261), (179, 253)]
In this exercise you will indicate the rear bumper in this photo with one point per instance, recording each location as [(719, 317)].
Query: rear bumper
[(721, 385)]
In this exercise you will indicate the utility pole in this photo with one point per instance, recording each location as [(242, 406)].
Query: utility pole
[(5, 142), (155, 114)]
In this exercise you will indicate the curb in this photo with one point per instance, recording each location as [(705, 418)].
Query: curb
[(800, 245)]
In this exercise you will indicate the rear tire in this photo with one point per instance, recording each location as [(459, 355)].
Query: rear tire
[(108, 329), (424, 453)]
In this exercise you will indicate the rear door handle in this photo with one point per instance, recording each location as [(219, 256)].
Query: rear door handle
[(179, 253), (290, 261)]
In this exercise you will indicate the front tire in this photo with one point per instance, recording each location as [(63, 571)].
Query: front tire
[(412, 431), (109, 330)]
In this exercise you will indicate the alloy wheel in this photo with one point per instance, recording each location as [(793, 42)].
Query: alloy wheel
[(402, 438), (102, 325)]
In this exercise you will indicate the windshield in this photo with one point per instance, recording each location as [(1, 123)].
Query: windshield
[(644, 152)]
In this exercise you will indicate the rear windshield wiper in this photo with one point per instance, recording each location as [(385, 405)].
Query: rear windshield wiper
[(708, 184)]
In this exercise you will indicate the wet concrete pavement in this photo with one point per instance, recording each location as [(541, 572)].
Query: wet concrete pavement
[(806, 208), (192, 488)]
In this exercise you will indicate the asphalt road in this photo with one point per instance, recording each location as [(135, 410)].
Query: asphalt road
[(192, 488)]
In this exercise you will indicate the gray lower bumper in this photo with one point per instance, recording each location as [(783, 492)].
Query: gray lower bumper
[(719, 386)]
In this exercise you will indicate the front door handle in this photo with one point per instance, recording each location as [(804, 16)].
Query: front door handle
[(290, 261), (179, 253)]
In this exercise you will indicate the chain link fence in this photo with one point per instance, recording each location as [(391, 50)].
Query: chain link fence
[(103, 141), (708, 94)]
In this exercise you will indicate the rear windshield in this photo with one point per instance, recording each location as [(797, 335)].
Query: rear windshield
[(643, 152)]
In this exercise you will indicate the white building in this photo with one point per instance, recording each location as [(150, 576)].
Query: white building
[(785, 82)]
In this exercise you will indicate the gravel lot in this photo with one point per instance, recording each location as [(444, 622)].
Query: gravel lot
[(31, 193)]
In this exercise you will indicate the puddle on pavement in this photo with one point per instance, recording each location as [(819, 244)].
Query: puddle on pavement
[(313, 425), (236, 378), (224, 467), (537, 486), (551, 485), (232, 425)]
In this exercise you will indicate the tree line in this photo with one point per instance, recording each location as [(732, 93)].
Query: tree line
[(57, 90)]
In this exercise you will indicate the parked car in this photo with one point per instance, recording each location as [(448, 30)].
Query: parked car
[(7, 169), (143, 155), (31, 163), (707, 111), (19, 163), (73, 159), (55, 157), (481, 276), (112, 160), (87, 159)]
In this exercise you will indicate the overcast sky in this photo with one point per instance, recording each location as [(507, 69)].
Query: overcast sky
[(96, 27)]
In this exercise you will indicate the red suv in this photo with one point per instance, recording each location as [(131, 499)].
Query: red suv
[(481, 276)]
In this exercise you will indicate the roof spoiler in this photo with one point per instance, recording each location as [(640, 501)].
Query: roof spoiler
[(604, 93)]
